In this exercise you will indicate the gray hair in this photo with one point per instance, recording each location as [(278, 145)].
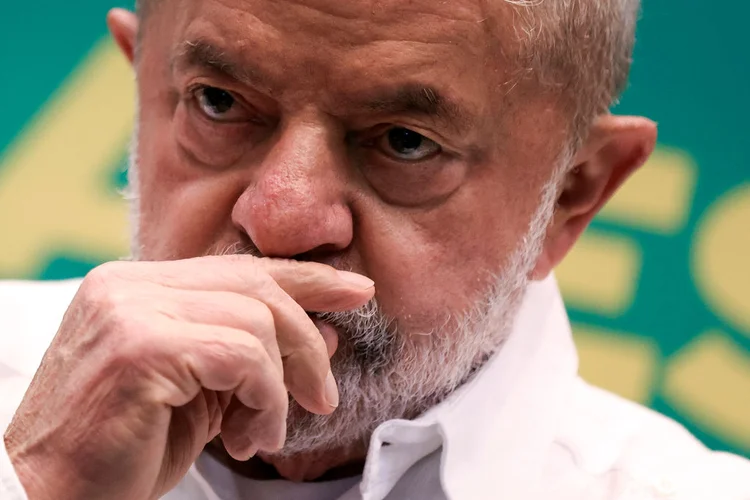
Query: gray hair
[(581, 48)]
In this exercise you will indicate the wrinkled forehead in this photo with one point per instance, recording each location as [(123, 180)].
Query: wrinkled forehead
[(357, 22), (458, 33)]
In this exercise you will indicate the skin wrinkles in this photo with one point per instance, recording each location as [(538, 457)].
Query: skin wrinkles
[(366, 43), (382, 11), (428, 64), (392, 22), (324, 160), (358, 71), (305, 181), (421, 101), (296, 361)]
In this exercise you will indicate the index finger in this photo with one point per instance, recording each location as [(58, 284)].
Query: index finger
[(314, 286), (319, 287)]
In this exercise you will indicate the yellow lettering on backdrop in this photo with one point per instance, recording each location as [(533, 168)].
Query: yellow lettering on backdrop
[(623, 364), (659, 196), (658, 199), (710, 381), (601, 273), (53, 179), (721, 259)]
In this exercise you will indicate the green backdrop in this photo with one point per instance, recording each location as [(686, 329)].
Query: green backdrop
[(658, 289)]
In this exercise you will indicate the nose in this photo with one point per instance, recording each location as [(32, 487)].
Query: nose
[(296, 202)]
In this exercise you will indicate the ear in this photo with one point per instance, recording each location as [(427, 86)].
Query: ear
[(123, 25), (616, 147)]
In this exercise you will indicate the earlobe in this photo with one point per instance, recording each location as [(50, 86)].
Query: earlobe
[(617, 146), (123, 25)]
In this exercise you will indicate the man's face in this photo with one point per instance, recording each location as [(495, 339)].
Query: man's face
[(391, 138)]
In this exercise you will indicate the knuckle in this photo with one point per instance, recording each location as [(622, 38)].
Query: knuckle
[(98, 281), (104, 286), (261, 278), (309, 352), (263, 319), (242, 352), (318, 274), (309, 271), (232, 348), (317, 349), (263, 284), (251, 349), (324, 271), (135, 349), (105, 299)]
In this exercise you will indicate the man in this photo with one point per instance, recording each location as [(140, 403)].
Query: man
[(346, 216)]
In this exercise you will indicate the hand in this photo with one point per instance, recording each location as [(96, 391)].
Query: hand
[(154, 360)]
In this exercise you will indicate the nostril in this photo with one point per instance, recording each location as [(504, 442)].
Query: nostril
[(323, 253)]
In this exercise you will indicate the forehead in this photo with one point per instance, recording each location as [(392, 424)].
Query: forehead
[(357, 21), (331, 39)]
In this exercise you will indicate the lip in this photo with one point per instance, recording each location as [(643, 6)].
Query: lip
[(329, 333)]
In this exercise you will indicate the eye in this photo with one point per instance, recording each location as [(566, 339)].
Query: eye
[(220, 105), (404, 144)]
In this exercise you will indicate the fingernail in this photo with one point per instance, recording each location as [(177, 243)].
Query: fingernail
[(357, 280), (332, 391)]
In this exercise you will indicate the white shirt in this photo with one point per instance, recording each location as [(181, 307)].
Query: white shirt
[(525, 428)]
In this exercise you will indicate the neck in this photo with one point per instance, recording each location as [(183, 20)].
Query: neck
[(314, 466)]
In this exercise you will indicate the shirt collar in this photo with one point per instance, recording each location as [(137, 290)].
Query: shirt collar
[(496, 429)]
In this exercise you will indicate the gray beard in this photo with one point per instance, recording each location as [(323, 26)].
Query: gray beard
[(385, 373)]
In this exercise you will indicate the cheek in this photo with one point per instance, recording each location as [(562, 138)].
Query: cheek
[(210, 145), (185, 207), (184, 210), (440, 264), (429, 264)]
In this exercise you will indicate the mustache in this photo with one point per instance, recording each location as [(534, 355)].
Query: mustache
[(368, 337), (236, 248)]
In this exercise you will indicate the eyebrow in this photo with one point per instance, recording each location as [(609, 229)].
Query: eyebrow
[(200, 53), (419, 100), (413, 99)]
